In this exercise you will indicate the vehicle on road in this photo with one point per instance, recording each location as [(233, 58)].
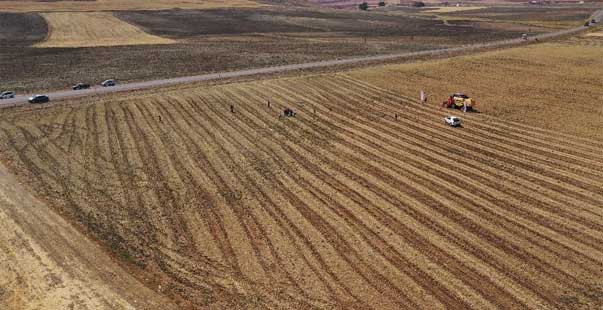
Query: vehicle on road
[(108, 83), (593, 21), (587, 24), (453, 121), (38, 99), (79, 86), (7, 94)]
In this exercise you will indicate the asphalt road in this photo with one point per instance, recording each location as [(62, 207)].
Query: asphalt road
[(98, 90)]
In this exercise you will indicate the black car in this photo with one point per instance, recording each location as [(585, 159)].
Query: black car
[(79, 86), (38, 99), (586, 24)]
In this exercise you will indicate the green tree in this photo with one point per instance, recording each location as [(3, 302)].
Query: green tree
[(363, 6), (382, 3)]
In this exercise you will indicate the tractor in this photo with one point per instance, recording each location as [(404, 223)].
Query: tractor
[(459, 101)]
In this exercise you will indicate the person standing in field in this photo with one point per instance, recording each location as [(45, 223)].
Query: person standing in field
[(423, 97)]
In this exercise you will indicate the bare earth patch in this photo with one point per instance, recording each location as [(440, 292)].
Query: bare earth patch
[(94, 29)]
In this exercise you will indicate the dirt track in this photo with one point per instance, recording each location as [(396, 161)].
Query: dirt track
[(340, 206), (60, 95)]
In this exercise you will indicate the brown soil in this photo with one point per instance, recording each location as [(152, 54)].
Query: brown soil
[(219, 40)]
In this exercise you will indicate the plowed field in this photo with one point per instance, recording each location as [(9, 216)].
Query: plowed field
[(341, 206)]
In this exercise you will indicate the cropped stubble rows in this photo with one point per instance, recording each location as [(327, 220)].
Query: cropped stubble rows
[(342, 205)]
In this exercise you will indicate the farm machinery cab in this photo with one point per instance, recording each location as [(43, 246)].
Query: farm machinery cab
[(459, 101)]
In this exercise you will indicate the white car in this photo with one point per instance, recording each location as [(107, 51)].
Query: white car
[(108, 83), (7, 95), (453, 121)]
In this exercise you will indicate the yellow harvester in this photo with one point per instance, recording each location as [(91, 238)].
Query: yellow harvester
[(459, 101)]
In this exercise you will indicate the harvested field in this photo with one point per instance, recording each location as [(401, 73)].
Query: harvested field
[(46, 264), (342, 206), (556, 86), (118, 5), (94, 29)]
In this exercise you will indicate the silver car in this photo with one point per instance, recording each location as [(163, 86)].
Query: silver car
[(7, 94)]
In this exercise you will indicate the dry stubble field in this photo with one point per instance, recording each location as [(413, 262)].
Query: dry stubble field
[(47, 264), (556, 86), (68, 29), (341, 206)]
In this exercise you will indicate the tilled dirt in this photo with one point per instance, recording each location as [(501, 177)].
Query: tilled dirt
[(214, 41), (21, 30)]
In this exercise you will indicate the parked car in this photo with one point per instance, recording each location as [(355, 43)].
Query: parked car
[(38, 99), (108, 83), (587, 24), (7, 94), (453, 121), (79, 86), (593, 21)]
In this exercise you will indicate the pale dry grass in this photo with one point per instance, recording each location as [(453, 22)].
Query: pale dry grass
[(594, 34), (94, 29), (119, 5), (556, 86)]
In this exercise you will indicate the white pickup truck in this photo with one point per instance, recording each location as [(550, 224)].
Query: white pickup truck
[(453, 121)]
